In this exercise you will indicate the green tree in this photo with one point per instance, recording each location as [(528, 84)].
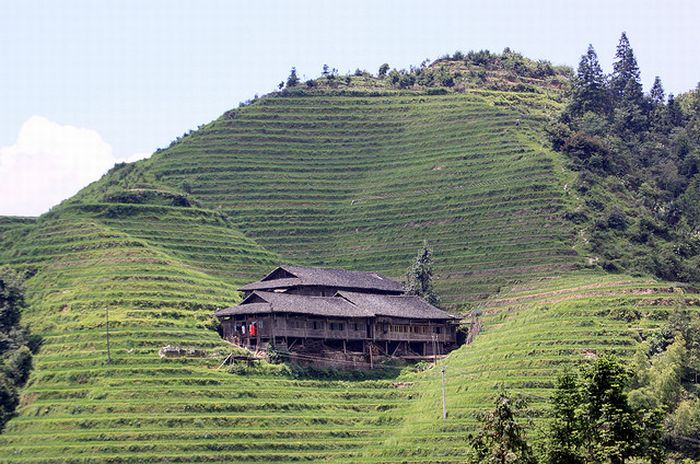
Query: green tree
[(675, 115), (625, 82), (9, 399), (293, 79), (383, 69), (606, 418), (11, 299), (501, 439), (657, 94), (419, 278), (684, 427), (15, 356), (564, 434), (19, 365), (589, 92), (594, 422)]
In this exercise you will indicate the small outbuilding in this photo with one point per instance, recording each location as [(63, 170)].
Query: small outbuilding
[(307, 309)]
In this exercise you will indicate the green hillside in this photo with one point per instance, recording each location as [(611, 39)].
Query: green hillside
[(360, 181), (141, 408), (530, 334), (356, 177)]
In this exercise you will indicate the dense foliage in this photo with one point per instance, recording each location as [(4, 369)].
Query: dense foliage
[(501, 439), (666, 369), (15, 355), (595, 422), (637, 156)]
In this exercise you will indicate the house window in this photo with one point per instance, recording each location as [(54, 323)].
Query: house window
[(356, 326), (437, 330)]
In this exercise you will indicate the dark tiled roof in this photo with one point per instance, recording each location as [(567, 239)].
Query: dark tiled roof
[(344, 304), (289, 303), (405, 306), (337, 278)]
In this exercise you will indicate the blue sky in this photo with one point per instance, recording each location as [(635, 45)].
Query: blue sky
[(139, 73)]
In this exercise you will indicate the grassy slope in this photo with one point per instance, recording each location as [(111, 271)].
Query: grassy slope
[(360, 181), (141, 408), (529, 335), (323, 179)]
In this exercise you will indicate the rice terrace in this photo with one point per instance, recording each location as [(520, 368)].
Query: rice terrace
[(477, 258)]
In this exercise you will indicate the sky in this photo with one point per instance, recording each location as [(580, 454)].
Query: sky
[(85, 84)]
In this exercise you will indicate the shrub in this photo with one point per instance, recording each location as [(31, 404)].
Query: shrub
[(19, 364), (8, 400), (617, 219), (383, 69)]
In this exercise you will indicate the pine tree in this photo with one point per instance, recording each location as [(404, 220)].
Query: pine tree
[(658, 119), (625, 82), (589, 91), (657, 94), (675, 114), (501, 439), (419, 278)]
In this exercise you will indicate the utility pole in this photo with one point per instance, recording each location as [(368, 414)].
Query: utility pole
[(434, 349), (444, 404), (109, 354), (272, 327)]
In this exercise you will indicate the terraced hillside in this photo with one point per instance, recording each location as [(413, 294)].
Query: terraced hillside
[(356, 180), (9, 224), (360, 181), (530, 334), (141, 408)]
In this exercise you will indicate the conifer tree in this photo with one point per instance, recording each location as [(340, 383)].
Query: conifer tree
[(589, 92), (675, 114), (419, 278), (625, 82), (657, 94)]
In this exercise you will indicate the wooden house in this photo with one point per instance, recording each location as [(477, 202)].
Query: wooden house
[(335, 309)]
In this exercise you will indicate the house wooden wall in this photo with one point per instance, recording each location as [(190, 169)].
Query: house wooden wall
[(306, 326)]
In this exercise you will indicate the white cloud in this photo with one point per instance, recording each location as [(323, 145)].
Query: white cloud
[(137, 156), (49, 163)]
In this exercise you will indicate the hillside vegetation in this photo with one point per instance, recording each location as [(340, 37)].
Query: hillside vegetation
[(531, 333), (360, 181), (352, 172)]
